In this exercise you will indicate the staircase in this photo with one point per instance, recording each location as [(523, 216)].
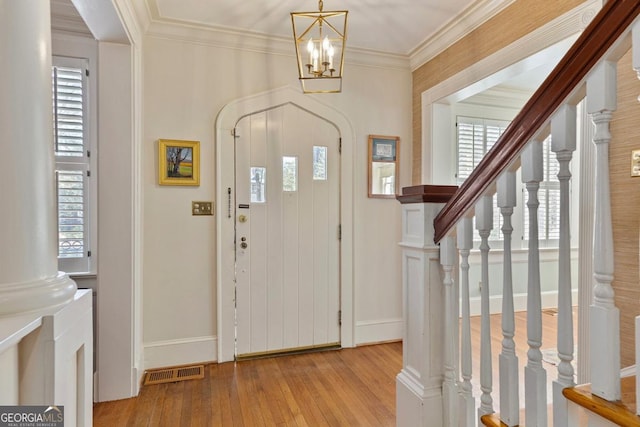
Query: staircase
[(434, 386)]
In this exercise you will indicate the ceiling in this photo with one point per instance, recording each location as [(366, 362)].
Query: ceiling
[(399, 27), (407, 28)]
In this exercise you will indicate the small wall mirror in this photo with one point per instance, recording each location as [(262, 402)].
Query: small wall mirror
[(384, 153)]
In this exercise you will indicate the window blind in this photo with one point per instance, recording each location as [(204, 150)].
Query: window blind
[(72, 162), (476, 136)]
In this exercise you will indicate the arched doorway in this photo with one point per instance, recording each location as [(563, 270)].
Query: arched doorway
[(227, 202)]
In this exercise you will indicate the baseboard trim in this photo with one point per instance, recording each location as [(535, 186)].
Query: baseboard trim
[(377, 331), (160, 354), (549, 300)]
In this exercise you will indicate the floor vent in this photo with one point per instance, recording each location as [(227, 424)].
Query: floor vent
[(170, 375), (550, 311)]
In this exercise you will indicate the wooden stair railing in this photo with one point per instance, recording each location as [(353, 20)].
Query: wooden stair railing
[(562, 84), (550, 111)]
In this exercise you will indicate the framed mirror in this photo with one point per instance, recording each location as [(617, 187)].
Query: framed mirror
[(384, 161)]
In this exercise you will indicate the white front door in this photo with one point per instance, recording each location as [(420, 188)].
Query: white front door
[(287, 232)]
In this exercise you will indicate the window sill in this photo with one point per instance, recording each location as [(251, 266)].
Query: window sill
[(82, 275)]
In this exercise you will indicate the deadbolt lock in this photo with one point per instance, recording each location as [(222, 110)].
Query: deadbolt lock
[(242, 218)]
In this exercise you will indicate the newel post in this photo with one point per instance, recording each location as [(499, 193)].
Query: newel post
[(419, 399)]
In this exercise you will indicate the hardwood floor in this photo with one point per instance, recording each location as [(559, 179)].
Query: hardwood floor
[(549, 340), (349, 387)]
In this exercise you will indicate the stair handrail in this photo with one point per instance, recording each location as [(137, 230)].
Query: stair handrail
[(564, 81)]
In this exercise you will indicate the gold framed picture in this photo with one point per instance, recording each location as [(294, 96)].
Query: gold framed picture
[(178, 162)]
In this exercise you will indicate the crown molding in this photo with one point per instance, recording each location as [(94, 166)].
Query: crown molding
[(474, 16), (256, 42)]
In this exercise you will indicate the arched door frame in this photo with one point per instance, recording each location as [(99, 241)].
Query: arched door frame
[(225, 199)]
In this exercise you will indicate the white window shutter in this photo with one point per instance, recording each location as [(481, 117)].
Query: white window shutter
[(72, 163)]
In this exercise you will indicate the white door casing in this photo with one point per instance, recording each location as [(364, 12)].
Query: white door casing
[(287, 211), (226, 121)]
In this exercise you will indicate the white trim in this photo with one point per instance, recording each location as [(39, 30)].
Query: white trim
[(463, 24), (161, 354), (225, 123), (253, 42), (549, 300), (376, 331), (519, 56)]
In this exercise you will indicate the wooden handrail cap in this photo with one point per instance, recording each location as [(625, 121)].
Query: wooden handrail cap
[(427, 194)]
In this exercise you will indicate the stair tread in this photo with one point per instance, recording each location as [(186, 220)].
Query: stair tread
[(622, 412)]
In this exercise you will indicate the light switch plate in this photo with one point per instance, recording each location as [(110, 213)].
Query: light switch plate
[(201, 208)]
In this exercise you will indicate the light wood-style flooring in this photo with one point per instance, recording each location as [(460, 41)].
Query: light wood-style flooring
[(348, 387)]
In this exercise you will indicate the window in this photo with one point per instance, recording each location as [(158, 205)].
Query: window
[(319, 163), (258, 181), (549, 198), (289, 173), (71, 146), (475, 137)]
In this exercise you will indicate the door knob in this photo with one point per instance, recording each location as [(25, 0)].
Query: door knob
[(243, 245)]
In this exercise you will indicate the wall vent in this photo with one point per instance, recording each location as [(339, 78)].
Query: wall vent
[(170, 375)]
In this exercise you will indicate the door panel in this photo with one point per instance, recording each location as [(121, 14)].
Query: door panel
[(287, 278)]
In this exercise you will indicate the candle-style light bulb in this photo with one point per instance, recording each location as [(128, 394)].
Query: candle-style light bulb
[(316, 55), (331, 53), (325, 43), (310, 50)]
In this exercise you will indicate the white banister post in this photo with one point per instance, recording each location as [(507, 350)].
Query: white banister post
[(586, 210), (464, 234), (508, 361), (563, 143), (419, 385), (484, 224), (604, 316), (535, 379), (449, 388)]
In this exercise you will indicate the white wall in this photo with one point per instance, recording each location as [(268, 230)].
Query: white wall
[(186, 84)]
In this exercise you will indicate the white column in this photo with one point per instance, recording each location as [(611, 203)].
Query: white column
[(563, 143), (467, 404), (419, 399), (29, 277), (535, 380), (450, 387), (604, 316), (484, 224), (509, 395)]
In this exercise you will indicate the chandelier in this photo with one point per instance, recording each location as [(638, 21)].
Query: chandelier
[(319, 38)]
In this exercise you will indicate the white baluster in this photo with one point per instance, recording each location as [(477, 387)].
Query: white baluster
[(467, 403), (484, 224), (563, 143), (535, 377), (604, 316), (509, 399), (449, 388)]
